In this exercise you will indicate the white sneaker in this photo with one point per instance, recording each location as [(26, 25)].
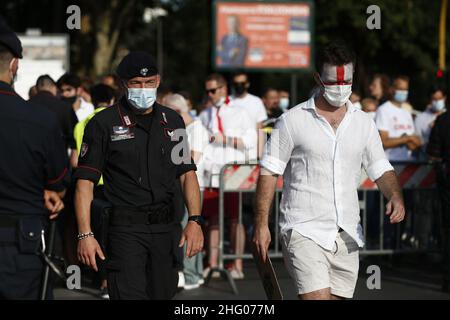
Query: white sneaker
[(201, 282), (191, 286), (237, 274), (181, 280), (215, 274)]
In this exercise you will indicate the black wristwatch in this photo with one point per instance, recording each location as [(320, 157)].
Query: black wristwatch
[(197, 218)]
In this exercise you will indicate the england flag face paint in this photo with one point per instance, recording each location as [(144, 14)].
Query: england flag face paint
[(337, 83)]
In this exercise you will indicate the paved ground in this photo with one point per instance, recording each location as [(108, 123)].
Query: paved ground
[(409, 278)]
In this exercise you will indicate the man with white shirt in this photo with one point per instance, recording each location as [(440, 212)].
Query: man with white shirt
[(396, 125), (234, 138), (252, 104), (319, 147), (70, 87)]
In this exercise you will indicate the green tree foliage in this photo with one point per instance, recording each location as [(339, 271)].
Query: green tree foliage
[(406, 44)]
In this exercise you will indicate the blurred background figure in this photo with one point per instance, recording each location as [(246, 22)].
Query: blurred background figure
[(271, 100), (355, 98), (190, 103), (46, 97), (251, 104), (425, 121), (369, 105), (233, 136), (396, 125), (111, 80), (198, 138), (439, 151), (32, 92), (285, 102), (71, 91), (379, 88)]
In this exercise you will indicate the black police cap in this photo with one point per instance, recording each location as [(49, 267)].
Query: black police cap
[(137, 64), (10, 40)]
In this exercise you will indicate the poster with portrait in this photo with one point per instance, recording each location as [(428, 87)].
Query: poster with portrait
[(262, 35)]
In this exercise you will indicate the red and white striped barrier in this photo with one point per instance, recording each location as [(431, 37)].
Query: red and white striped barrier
[(243, 178), (411, 176)]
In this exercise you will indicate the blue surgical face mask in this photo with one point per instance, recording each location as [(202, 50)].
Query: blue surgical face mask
[(142, 98), (438, 105), (401, 95), (284, 103)]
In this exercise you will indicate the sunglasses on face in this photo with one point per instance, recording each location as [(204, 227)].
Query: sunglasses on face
[(212, 91)]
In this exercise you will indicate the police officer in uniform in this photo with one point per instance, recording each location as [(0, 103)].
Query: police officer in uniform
[(439, 149), (33, 159), (138, 147)]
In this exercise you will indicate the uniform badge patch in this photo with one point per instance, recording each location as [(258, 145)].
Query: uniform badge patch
[(83, 149), (169, 132), (144, 71), (127, 120), (121, 133)]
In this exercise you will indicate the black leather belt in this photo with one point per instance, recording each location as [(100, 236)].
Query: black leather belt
[(127, 216), (9, 221)]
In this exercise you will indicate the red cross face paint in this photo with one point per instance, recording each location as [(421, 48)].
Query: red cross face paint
[(337, 82)]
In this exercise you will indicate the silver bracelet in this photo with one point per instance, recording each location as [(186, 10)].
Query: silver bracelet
[(82, 236)]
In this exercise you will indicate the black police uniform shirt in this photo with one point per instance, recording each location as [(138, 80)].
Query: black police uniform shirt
[(133, 153), (63, 111), (33, 157)]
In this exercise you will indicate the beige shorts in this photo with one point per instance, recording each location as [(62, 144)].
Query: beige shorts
[(313, 267)]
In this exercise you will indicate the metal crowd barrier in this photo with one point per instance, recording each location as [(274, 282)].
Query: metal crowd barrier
[(242, 178)]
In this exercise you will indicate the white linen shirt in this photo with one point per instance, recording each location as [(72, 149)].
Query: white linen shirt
[(321, 170)]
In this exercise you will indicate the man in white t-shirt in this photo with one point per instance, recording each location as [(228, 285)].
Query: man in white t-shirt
[(234, 136), (250, 103), (396, 125)]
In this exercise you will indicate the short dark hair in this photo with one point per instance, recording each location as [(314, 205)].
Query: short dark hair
[(5, 57), (69, 79), (385, 82), (218, 78), (268, 90), (401, 77), (336, 53), (44, 81), (437, 88), (240, 73), (101, 93)]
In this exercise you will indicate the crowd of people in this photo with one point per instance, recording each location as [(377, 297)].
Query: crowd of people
[(236, 118)]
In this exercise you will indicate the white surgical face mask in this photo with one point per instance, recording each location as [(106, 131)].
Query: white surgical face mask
[(284, 103), (142, 98), (401, 95), (220, 102), (357, 105), (438, 105), (337, 95)]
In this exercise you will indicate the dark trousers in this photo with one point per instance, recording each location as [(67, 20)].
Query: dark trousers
[(141, 262), (444, 191), (20, 274)]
